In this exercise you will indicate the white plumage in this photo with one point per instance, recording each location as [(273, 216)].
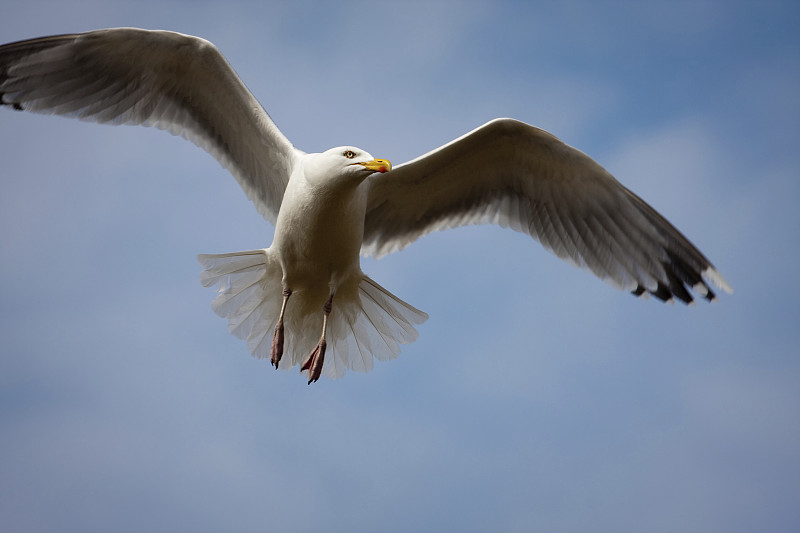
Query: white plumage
[(328, 207)]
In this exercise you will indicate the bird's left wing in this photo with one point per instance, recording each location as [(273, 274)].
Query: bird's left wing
[(518, 176), (164, 79)]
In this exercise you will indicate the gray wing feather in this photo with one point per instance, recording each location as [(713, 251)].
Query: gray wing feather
[(517, 176), (172, 81)]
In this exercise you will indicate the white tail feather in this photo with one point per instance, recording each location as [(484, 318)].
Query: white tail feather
[(365, 323)]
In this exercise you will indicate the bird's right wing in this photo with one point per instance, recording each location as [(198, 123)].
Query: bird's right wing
[(172, 81)]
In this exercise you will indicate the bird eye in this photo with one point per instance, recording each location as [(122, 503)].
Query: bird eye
[(349, 154)]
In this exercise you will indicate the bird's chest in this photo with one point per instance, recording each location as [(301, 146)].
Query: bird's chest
[(318, 234)]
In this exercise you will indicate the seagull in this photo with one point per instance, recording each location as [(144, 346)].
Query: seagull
[(304, 300)]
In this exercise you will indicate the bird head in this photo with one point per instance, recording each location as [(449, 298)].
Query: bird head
[(344, 164)]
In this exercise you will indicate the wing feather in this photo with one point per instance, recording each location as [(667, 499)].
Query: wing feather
[(518, 176), (172, 81)]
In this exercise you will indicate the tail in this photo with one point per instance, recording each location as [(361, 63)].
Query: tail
[(369, 323), (374, 324)]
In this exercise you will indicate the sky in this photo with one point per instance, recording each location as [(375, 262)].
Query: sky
[(537, 398)]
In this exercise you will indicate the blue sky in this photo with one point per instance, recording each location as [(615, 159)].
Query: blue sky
[(536, 399)]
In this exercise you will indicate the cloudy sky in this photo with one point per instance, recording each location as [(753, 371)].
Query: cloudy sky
[(537, 397)]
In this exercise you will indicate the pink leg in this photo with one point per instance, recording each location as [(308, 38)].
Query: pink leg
[(277, 339), (316, 358)]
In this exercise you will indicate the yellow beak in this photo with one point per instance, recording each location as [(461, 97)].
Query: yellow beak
[(377, 165)]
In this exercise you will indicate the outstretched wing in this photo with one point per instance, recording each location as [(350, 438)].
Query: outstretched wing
[(175, 82), (512, 174)]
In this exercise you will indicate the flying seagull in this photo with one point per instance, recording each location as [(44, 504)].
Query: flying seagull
[(304, 300)]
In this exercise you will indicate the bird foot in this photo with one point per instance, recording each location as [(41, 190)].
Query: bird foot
[(314, 361), (276, 352)]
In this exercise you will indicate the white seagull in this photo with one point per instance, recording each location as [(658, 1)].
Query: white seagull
[(304, 300)]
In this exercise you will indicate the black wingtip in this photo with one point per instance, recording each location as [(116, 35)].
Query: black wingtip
[(16, 106), (681, 276)]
